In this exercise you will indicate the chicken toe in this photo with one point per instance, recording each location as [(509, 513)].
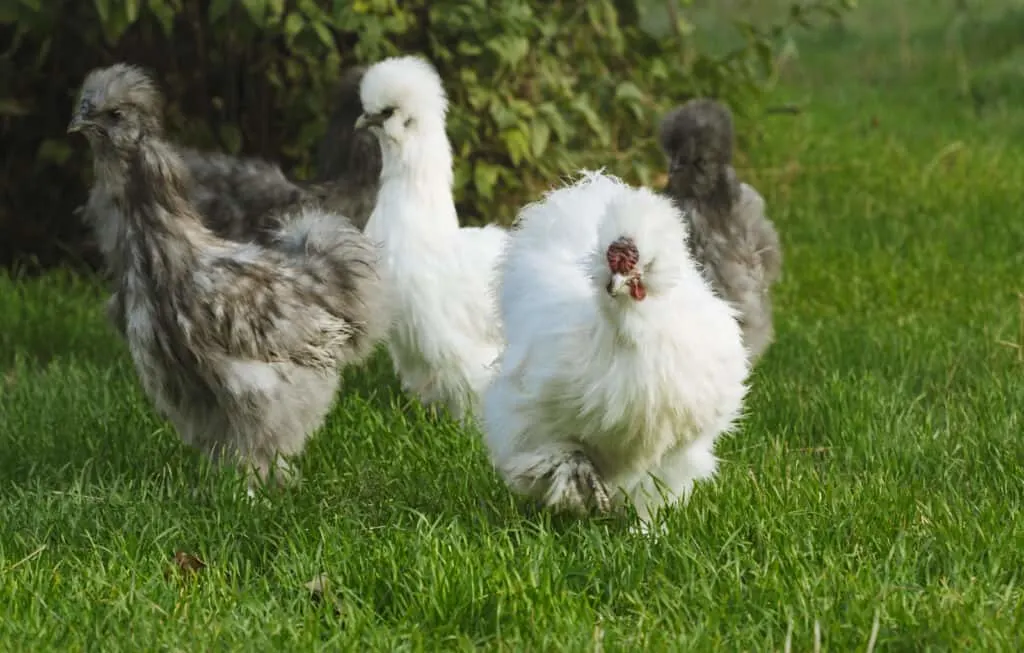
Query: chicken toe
[(577, 487)]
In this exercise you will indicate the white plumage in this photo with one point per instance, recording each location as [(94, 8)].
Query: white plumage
[(447, 335), (609, 379)]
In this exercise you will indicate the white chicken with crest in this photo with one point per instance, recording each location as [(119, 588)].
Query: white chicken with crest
[(446, 336), (622, 366)]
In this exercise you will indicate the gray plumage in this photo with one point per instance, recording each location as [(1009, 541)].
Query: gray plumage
[(244, 198), (239, 345), (350, 157), (730, 235)]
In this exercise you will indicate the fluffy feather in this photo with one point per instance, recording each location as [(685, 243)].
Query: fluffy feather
[(238, 344), (609, 381), (447, 334), (731, 237)]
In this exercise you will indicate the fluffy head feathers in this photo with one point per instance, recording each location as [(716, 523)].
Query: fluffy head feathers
[(408, 86), (641, 243), (120, 101), (700, 131)]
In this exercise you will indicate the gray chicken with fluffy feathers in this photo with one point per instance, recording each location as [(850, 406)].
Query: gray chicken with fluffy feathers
[(731, 237), (238, 344), (245, 198)]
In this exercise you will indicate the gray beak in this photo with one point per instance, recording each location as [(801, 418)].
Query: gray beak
[(77, 123), (369, 120)]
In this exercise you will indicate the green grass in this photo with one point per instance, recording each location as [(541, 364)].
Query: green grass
[(879, 475)]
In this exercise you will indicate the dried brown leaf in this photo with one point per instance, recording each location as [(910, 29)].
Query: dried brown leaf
[(185, 565)]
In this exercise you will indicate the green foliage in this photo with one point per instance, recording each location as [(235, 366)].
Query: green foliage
[(538, 89)]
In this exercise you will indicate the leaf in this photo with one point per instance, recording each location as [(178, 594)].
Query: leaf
[(114, 27), (582, 106), (510, 49), (540, 135), (468, 49), (485, 176), (164, 14), (293, 24), (11, 107), (633, 97), (231, 136), (517, 144), (218, 8), (629, 91), (131, 10), (103, 9), (555, 120), (54, 150), (275, 10), (324, 33), (257, 10)]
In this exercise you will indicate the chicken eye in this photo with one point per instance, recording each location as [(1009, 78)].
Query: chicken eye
[(388, 112), (115, 114)]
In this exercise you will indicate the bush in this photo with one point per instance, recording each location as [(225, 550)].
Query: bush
[(538, 88)]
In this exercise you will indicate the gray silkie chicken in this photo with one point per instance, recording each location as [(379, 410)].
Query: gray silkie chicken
[(244, 198), (239, 345), (731, 237), (349, 160)]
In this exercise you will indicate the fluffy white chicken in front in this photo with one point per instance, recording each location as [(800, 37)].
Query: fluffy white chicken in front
[(447, 334), (622, 366)]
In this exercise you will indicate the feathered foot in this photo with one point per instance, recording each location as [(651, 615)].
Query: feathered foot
[(575, 485)]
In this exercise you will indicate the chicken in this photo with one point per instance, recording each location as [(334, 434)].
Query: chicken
[(446, 334), (349, 159), (735, 243), (245, 199), (239, 345), (622, 367)]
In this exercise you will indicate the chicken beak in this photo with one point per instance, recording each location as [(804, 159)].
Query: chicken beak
[(617, 284), (369, 120), (77, 124)]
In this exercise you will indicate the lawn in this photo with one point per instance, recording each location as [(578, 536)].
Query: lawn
[(873, 492)]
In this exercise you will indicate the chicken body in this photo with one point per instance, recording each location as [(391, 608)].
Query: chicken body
[(608, 379), (239, 345), (446, 334), (742, 258), (730, 234)]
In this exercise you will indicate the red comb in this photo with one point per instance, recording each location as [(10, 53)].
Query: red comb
[(623, 255)]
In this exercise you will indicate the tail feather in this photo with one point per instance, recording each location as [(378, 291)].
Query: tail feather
[(334, 249)]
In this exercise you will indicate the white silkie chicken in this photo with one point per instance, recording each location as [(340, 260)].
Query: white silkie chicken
[(447, 334), (622, 366)]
